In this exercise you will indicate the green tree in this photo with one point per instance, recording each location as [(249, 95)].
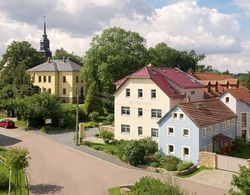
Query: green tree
[(60, 53), (241, 182), (165, 56), (135, 153), (245, 80), (112, 55), (204, 68)]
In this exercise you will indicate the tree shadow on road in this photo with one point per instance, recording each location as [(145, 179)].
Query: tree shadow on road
[(45, 189), (8, 141)]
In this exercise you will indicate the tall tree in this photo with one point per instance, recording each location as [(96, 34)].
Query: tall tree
[(165, 56), (112, 55), (245, 80), (60, 53)]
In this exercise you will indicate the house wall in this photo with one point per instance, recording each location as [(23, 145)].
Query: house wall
[(177, 139), (162, 101)]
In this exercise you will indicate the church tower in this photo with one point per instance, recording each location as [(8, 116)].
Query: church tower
[(44, 43)]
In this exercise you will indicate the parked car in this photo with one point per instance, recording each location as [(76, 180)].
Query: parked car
[(7, 123)]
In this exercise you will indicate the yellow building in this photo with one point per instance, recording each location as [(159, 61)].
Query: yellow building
[(59, 77)]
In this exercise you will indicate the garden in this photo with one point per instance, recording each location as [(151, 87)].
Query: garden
[(241, 149)]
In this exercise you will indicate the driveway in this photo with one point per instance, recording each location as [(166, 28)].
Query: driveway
[(59, 169)]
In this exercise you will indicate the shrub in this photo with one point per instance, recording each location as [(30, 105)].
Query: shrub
[(158, 156), (4, 182), (87, 143), (107, 136), (154, 164), (96, 147), (121, 149), (149, 185), (91, 124), (94, 116), (170, 159), (170, 166), (110, 118), (135, 153), (184, 165), (149, 145)]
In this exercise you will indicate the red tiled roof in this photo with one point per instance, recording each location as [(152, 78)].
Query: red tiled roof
[(241, 94), (208, 112), (212, 76), (163, 78)]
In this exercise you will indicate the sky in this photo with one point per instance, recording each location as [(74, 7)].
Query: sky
[(218, 28)]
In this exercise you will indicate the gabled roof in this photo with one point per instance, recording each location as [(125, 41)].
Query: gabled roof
[(213, 77), (241, 94), (56, 66), (163, 77), (205, 113)]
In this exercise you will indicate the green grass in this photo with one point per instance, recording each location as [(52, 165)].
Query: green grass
[(5, 171), (114, 191), (21, 123), (2, 115), (108, 148), (201, 168)]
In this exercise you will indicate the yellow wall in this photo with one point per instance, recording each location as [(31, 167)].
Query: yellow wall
[(57, 85)]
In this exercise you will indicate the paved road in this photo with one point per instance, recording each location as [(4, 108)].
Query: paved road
[(57, 169)]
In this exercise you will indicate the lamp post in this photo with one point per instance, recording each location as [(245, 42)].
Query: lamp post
[(77, 117)]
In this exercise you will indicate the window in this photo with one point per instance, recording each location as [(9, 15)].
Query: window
[(39, 79), (181, 116), (140, 131), (216, 128), (140, 112), (210, 130), (185, 133), (64, 91), (175, 115), (243, 119), (125, 110), (49, 79), (204, 132), (153, 93), (125, 128), (140, 93), (154, 132), (170, 149), (186, 151), (155, 113), (170, 131), (127, 92), (224, 125), (228, 124), (64, 79), (44, 79), (233, 122), (227, 99), (192, 92), (49, 90), (77, 79)]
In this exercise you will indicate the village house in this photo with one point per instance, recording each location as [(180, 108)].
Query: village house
[(143, 97), (238, 100), (197, 126)]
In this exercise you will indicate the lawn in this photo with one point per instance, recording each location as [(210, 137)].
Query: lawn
[(107, 148), (5, 171), (201, 168), (114, 191), (241, 149), (21, 123)]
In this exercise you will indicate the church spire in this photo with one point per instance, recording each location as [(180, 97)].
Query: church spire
[(44, 25), (44, 43)]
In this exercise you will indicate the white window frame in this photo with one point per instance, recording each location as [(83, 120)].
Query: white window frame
[(141, 131), (168, 152), (210, 130), (141, 109), (140, 92), (153, 91), (174, 115), (204, 134), (224, 125), (183, 155), (127, 129), (232, 122), (158, 113), (182, 132), (126, 109), (170, 134), (242, 119), (216, 128), (227, 100), (180, 116), (157, 133), (127, 91)]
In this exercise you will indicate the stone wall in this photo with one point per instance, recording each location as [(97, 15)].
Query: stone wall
[(207, 159)]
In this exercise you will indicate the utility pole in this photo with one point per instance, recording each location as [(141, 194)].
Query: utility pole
[(77, 116)]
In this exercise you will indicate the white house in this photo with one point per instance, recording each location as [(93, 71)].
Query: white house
[(238, 100), (144, 96)]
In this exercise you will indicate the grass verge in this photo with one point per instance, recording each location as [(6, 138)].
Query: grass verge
[(114, 191), (21, 123), (201, 168), (107, 148)]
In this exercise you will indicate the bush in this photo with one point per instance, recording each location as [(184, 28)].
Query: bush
[(4, 182), (135, 153), (96, 147), (91, 124), (152, 186), (154, 164), (110, 118), (149, 145), (170, 166), (158, 156), (170, 159), (184, 165), (94, 116), (87, 143), (121, 149), (107, 136)]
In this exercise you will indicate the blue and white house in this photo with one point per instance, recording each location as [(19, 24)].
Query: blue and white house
[(197, 126), (238, 100)]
